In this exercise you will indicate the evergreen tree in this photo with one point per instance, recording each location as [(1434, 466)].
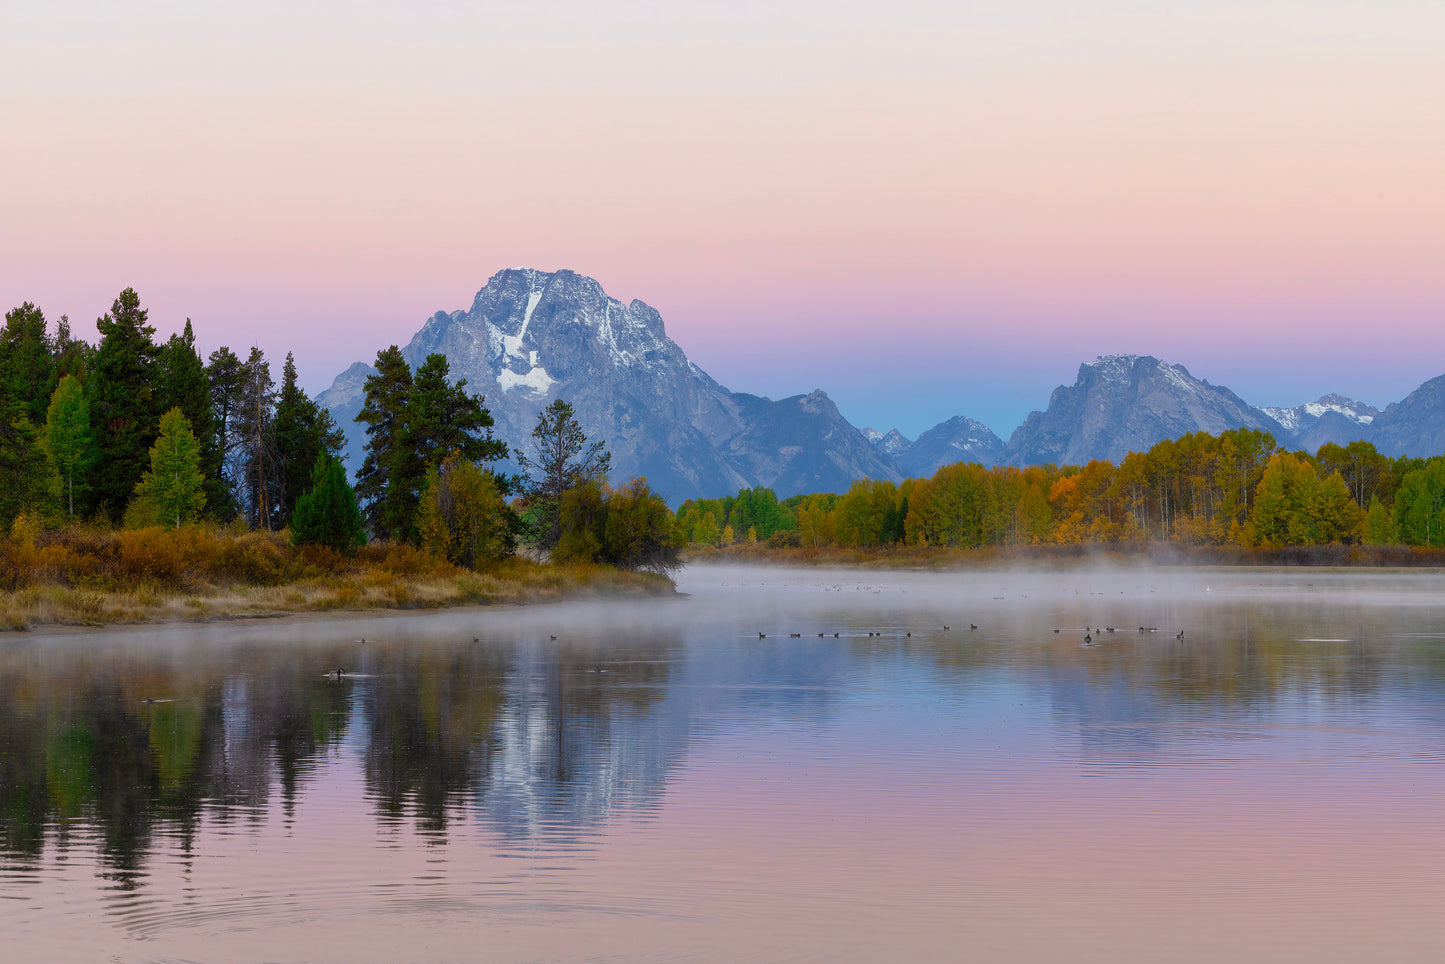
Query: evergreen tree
[(388, 482), (22, 469), (185, 384), (442, 418), (304, 432), (172, 491), (255, 456), (226, 374), (27, 368), (72, 355), (327, 514), (68, 443), (123, 409), (561, 459)]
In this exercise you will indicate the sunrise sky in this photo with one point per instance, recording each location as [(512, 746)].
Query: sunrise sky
[(924, 208)]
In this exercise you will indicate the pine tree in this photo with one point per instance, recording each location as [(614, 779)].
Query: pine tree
[(443, 418), (304, 432), (123, 410), (255, 458), (185, 384), (72, 355), (327, 514), (22, 468), (561, 459), (172, 491), (226, 374), (68, 443), (389, 480), (27, 367)]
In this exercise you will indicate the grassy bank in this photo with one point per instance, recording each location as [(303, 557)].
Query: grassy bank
[(1155, 554), (93, 577)]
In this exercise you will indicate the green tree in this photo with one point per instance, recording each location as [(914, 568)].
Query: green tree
[(22, 469), (581, 523), (68, 444), (27, 366), (561, 459), (256, 451), (304, 431), (389, 480), (123, 404), (185, 383), (72, 355), (443, 418), (1420, 504), (1367, 473), (463, 516), (227, 376), (327, 514), (172, 491), (637, 529), (1380, 528)]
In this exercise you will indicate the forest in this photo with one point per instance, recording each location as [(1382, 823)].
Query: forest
[(1238, 488)]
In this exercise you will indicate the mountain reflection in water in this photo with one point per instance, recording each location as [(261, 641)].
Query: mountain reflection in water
[(151, 750)]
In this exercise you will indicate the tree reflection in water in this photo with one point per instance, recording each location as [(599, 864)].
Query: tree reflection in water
[(128, 744)]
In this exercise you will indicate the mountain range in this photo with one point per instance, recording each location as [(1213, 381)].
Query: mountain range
[(531, 336)]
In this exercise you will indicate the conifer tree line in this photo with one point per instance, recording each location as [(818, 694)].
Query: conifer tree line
[(135, 432), (143, 432), (1238, 488)]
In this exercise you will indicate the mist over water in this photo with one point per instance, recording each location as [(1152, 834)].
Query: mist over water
[(936, 765)]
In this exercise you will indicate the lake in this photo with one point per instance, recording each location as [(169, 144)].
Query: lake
[(686, 779)]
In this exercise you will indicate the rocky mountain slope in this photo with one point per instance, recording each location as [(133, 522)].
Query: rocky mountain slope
[(1127, 403), (532, 336), (1333, 418), (959, 439), (1415, 425)]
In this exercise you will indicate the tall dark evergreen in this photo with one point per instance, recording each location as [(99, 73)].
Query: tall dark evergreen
[(327, 513), (255, 457), (72, 355), (185, 384), (27, 366), (123, 403), (561, 460), (412, 425), (384, 481), (304, 432), (443, 418), (24, 479), (227, 374)]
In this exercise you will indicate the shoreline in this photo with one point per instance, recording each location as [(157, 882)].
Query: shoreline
[(225, 620), (1165, 556), (54, 607)]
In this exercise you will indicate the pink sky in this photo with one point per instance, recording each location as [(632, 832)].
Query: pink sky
[(855, 196)]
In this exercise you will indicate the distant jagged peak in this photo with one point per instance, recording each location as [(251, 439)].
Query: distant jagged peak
[(1123, 367), (530, 330), (1131, 371), (1299, 417), (890, 443)]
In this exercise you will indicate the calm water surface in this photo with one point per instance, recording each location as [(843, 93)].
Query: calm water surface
[(659, 782)]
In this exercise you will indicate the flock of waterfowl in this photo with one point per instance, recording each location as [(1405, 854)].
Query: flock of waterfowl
[(1090, 634), (879, 634)]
